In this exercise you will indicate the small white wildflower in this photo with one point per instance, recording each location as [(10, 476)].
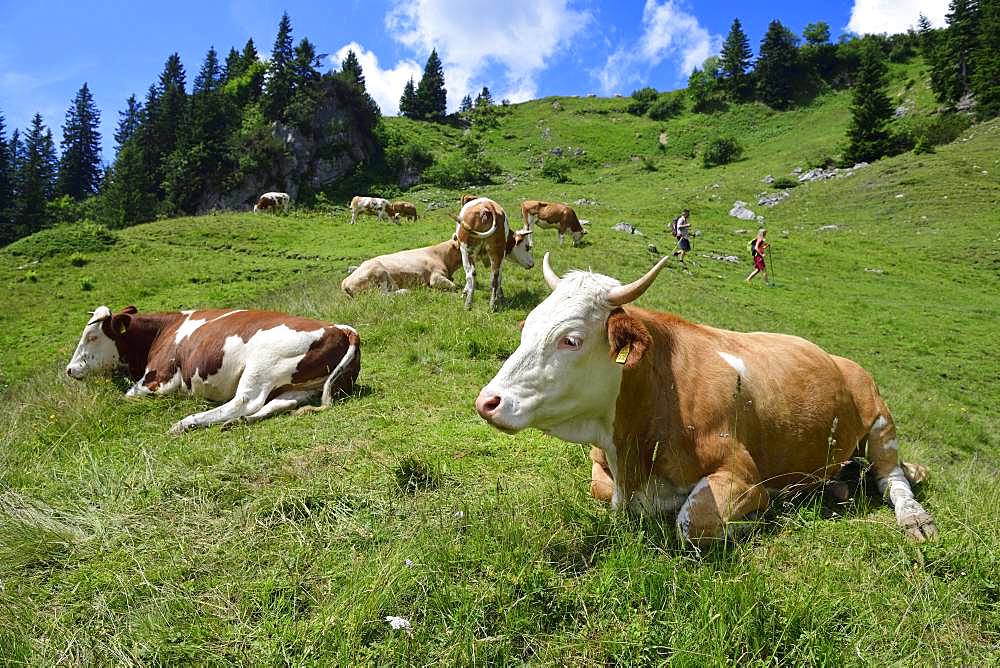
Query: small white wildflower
[(459, 514), (409, 563), (398, 623)]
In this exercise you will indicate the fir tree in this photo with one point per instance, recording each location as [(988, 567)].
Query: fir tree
[(777, 66), (166, 113), (986, 75), (432, 97), (210, 75), (871, 110), (6, 188), (233, 66), (734, 61), (249, 56), (128, 122), (484, 99), (953, 66), (466, 105), (36, 178), (280, 84), (80, 166), (250, 62), (350, 70), (306, 64), (408, 102), (126, 197)]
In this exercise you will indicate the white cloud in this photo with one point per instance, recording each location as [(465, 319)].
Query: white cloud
[(894, 16), (386, 86), (667, 32), (471, 36)]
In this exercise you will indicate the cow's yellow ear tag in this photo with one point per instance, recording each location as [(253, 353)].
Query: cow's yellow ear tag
[(623, 353), (121, 328)]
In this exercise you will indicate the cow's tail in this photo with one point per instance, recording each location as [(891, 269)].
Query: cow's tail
[(342, 367)]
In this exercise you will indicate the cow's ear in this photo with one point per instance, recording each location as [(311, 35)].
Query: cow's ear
[(130, 309), (628, 338), (120, 323)]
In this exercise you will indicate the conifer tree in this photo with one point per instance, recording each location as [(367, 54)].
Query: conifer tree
[(350, 70), (210, 75), (36, 178), (6, 188), (408, 102), (280, 84), (432, 97), (80, 166), (953, 55), (250, 62), (128, 122), (734, 61), (485, 98), (249, 56), (165, 115), (232, 68), (777, 66), (466, 105), (986, 75), (871, 110), (305, 66)]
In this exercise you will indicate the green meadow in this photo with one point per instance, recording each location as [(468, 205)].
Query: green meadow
[(291, 540)]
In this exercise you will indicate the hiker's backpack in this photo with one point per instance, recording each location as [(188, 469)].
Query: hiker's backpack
[(673, 226), (750, 246)]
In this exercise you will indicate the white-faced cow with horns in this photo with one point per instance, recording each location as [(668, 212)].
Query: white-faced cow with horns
[(259, 363), (688, 418)]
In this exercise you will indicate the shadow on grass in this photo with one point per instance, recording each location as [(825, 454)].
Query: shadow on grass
[(523, 299)]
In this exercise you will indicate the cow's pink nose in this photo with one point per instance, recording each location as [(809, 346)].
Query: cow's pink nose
[(487, 404)]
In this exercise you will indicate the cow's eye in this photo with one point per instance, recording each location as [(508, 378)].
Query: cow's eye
[(569, 343), (91, 338)]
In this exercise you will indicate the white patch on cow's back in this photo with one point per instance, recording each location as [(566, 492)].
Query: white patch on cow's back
[(735, 362), (272, 353), (188, 327)]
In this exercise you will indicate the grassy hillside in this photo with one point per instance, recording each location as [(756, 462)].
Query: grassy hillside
[(291, 540)]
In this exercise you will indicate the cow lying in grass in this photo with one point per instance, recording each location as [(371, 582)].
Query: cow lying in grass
[(402, 210), (430, 266), (259, 363), (690, 419)]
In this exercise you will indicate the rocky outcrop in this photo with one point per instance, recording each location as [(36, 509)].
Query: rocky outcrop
[(741, 211), (335, 139)]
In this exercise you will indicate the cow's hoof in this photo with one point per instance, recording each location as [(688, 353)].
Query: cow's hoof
[(916, 474), (916, 523)]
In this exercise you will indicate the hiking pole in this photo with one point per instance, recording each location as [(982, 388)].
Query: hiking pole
[(770, 261)]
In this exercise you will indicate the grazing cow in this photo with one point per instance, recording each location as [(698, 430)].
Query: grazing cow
[(404, 209), (548, 215), (483, 229), (431, 266), (688, 418), (373, 206), (258, 362), (272, 202)]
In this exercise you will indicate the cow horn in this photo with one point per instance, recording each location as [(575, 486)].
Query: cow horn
[(551, 277), (623, 294)]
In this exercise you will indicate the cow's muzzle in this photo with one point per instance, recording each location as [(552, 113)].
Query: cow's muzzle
[(489, 406)]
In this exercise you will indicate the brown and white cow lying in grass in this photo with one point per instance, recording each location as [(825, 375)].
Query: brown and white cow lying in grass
[(402, 210), (550, 215), (273, 202), (373, 206), (686, 418), (430, 266), (258, 362), (483, 229)]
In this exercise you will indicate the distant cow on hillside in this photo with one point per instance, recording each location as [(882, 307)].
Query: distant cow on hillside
[(273, 202), (259, 362), (550, 215), (372, 206), (402, 209)]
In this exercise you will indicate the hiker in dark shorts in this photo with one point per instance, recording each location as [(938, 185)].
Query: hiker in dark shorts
[(758, 247), (681, 228)]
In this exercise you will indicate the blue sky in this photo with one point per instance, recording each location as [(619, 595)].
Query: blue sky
[(521, 49)]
